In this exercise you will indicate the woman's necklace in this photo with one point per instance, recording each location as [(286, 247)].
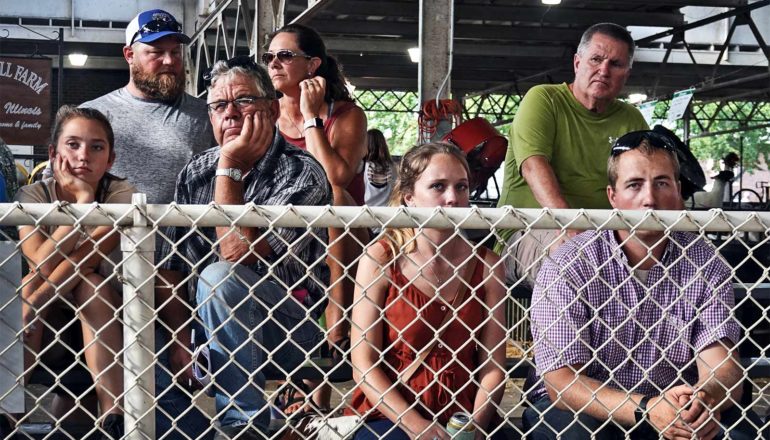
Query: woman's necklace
[(291, 121), (301, 133), (429, 265)]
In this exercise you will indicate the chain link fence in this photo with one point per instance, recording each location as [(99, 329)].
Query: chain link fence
[(107, 321)]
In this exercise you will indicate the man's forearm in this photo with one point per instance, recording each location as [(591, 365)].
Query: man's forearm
[(541, 179), (579, 393), (234, 244), (723, 386)]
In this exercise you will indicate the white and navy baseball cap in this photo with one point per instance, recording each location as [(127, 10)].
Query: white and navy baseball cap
[(151, 25)]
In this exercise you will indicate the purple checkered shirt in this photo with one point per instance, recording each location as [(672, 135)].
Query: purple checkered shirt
[(645, 338)]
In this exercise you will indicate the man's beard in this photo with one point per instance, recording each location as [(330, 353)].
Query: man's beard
[(162, 87)]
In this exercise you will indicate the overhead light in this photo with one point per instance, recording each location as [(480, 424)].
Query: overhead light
[(414, 54), (551, 2), (636, 98), (78, 59)]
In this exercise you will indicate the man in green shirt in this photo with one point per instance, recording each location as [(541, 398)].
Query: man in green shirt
[(560, 139)]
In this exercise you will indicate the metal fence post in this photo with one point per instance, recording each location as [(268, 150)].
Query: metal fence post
[(138, 245)]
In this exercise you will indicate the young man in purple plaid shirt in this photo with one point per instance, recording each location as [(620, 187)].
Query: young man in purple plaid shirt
[(633, 330)]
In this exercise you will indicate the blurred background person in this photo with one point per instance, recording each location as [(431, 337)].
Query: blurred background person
[(379, 171), (8, 168)]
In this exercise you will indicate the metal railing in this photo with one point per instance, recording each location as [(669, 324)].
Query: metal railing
[(738, 240)]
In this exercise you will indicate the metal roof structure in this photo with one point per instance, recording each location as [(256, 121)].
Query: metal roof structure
[(510, 45), (498, 46)]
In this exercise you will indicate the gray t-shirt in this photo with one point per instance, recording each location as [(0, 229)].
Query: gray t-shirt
[(154, 140)]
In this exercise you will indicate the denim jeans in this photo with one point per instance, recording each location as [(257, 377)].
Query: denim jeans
[(250, 333), (384, 429), (544, 421), (175, 417)]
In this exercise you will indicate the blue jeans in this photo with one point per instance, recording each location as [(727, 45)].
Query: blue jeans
[(384, 429), (174, 402), (250, 333), (544, 421)]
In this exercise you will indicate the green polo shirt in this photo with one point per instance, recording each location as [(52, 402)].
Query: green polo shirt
[(550, 122)]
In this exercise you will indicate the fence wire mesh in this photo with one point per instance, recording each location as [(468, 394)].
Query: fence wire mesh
[(105, 313)]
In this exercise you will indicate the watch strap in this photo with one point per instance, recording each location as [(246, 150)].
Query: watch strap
[(640, 413), (313, 123), (233, 173)]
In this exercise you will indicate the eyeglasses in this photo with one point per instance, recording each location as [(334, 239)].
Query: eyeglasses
[(285, 56), (162, 24), (631, 140), (243, 61), (241, 103)]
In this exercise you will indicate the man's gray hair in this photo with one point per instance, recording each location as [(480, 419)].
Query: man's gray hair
[(221, 69), (612, 30)]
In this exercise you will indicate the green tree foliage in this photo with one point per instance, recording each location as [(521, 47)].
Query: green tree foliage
[(727, 116), (754, 142), (395, 114)]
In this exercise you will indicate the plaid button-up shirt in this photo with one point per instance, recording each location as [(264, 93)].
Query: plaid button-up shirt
[(588, 309), (285, 175)]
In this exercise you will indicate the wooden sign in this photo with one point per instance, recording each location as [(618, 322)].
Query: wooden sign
[(25, 100)]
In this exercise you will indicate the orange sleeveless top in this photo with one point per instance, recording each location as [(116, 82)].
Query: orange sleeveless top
[(440, 377)]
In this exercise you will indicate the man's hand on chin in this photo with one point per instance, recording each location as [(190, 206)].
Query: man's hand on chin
[(255, 138)]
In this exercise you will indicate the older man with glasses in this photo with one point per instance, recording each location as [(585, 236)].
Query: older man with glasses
[(633, 330), (261, 291)]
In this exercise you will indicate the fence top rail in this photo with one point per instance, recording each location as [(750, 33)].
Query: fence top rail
[(250, 215)]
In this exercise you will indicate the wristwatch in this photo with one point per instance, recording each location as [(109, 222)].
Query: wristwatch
[(313, 123), (640, 413), (233, 173)]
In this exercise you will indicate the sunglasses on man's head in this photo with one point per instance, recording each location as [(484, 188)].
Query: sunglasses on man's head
[(630, 141), (164, 24), (285, 56), (243, 61)]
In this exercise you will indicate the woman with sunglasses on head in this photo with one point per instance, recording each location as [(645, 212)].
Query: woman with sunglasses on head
[(72, 265), (413, 285), (319, 115)]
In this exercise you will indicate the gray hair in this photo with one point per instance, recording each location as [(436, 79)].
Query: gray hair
[(221, 69), (612, 30)]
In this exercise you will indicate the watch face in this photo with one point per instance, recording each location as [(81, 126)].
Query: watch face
[(314, 123), (233, 173)]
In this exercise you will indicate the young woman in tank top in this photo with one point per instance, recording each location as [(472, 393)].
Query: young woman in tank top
[(407, 286)]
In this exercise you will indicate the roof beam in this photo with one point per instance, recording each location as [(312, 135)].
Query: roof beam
[(315, 7), (677, 3), (462, 30), (535, 14), (339, 45)]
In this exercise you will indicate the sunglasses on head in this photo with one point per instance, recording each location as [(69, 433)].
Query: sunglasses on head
[(631, 140), (243, 61), (285, 56), (164, 24)]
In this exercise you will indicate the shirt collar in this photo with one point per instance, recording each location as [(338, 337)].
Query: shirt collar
[(669, 254), (269, 160)]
